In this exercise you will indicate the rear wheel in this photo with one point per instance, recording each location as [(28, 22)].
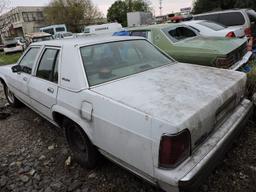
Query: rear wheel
[(83, 151), (10, 97)]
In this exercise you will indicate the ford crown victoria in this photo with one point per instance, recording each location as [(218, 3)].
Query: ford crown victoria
[(165, 121)]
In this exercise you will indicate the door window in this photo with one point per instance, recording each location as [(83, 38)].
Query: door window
[(48, 66), (28, 61)]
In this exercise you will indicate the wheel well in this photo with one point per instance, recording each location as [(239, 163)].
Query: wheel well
[(58, 118), (2, 81)]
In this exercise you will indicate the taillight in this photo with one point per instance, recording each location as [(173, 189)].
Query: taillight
[(174, 149), (248, 32), (224, 63), (231, 35)]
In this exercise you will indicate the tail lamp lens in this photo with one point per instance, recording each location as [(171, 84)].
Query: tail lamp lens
[(174, 149), (231, 35), (224, 63)]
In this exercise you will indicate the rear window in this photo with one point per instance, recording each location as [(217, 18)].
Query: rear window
[(212, 25), (211, 17), (231, 19), (179, 33), (109, 61)]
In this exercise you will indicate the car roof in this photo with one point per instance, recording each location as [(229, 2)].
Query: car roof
[(222, 11), (157, 26), (83, 41)]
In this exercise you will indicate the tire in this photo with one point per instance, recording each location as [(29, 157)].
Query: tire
[(10, 97), (83, 151)]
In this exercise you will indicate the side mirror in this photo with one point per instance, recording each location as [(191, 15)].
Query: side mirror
[(16, 69)]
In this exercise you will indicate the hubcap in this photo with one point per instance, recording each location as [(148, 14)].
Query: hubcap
[(10, 95)]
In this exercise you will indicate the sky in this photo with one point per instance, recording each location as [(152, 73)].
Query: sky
[(169, 6)]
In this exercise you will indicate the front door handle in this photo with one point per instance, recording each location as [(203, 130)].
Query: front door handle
[(25, 78), (51, 90)]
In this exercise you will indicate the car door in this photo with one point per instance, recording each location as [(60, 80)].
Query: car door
[(43, 85), (19, 81)]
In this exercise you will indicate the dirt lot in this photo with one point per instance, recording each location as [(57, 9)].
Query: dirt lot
[(33, 155)]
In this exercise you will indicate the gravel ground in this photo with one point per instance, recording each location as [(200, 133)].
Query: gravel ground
[(34, 157)]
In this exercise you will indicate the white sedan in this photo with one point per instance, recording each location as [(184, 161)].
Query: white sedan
[(121, 97), (212, 29)]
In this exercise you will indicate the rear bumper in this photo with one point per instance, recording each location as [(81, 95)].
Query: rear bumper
[(190, 174), (242, 62)]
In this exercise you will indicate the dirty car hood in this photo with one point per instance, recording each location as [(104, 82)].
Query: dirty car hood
[(182, 95), (219, 45)]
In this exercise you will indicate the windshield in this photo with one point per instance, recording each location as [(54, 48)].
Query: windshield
[(212, 25), (110, 61)]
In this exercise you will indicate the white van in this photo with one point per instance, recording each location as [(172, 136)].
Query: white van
[(104, 29), (54, 29), (244, 18)]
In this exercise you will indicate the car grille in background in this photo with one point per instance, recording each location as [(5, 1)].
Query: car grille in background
[(237, 54)]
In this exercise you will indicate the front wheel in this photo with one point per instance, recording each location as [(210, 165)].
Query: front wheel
[(83, 151), (10, 97)]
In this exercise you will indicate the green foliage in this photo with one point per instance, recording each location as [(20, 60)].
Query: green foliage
[(9, 59), (74, 13), (119, 9), (201, 6)]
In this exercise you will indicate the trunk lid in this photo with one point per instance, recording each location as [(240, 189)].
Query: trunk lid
[(181, 95), (220, 45)]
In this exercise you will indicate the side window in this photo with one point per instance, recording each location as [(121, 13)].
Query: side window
[(48, 66), (231, 19), (180, 33), (29, 60)]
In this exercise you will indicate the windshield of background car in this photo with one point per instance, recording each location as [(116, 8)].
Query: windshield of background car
[(212, 25), (114, 60), (179, 33)]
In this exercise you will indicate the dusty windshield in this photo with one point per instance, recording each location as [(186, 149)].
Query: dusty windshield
[(110, 61)]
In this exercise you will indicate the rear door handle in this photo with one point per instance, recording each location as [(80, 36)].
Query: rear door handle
[(25, 78), (51, 90)]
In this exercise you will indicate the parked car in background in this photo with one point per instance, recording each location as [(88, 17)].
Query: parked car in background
[(213, 29), (104, 29), (244, 18), (167, 122), (1, 47), (63, 35), (186, 45), (21, 41), (12, 46), (37, 37), (54, 29)]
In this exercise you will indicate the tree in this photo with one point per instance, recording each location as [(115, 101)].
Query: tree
[(201, 6), (119, 9), (74, 13), (4, 22)]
